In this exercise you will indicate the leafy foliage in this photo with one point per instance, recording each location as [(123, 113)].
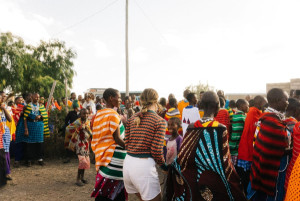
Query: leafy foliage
[(200, 87), (26, 68)]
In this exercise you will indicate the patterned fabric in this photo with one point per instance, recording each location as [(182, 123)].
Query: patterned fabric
[(147, 139), (84, 162), (78, 136), (108, 188), (35, 130), (245, 150), (230, 112), (269, 148), (246, 165), (190, 115), (293, 193), (238, 121), (296, 151), (103, 144), (29, 113), (17, 112), (234, 160), (203, 169), (114, 170), (6, 138), (223, 118), (172, 112)]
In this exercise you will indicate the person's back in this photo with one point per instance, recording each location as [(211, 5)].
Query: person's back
[(269, 147)]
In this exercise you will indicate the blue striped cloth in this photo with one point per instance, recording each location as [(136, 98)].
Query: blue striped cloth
[(6, 136)]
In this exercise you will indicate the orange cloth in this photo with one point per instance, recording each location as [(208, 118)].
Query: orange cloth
[(293, 193), (181, 105), (106, 122), (245, 151)]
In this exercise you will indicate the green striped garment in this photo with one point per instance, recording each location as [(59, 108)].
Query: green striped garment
[(238, 122), (114, 170)]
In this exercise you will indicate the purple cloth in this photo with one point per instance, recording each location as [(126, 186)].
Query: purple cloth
[(7, 159)]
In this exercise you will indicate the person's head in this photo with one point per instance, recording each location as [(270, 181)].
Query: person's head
[(210, 104), (4, 96), (293, 109), (112, 98), (278, 99), (149, 99), (127, 99), (232, 104), (128, 105), (242, 105), (98, 99), (99, 107), (259, 102), (84, 114), (27, 97), (251, 102), (163, 102), (19, 100), (80, 97), (186, 92), (35, 98), (10, 103), (42, 100), (191, 97), (201, 94), (248, 98), (296, 94), (73, 95), (222, 101), (220, 93), (171, 96), (174, 124), (173, 103)]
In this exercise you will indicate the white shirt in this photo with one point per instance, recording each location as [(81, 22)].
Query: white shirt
[(190, 115)]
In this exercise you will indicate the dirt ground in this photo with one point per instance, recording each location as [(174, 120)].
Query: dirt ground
[(54, 181)]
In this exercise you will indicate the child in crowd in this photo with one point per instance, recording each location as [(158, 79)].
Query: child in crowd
[(232, 105), (78, 135), (174, 142), (238, 122)]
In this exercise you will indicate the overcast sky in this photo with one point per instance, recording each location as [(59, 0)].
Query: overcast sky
[(237, 46)]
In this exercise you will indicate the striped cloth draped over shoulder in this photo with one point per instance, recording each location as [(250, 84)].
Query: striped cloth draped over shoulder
[(238, 121), (269, 147), (44, 114), (103, 144)]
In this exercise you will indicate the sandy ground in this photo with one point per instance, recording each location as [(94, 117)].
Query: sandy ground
[(54, 181)]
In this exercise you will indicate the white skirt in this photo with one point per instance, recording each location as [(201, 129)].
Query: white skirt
[(140, 176)]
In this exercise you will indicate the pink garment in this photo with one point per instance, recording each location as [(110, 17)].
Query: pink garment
[(84, 162)]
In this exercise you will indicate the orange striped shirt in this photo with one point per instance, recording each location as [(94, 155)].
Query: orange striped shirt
[(103, 144)]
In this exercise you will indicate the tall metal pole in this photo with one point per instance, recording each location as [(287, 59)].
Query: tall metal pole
[(126, 50)]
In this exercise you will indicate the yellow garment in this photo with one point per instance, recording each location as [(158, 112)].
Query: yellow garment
[(12, 127), (181, 105), (201, 113)]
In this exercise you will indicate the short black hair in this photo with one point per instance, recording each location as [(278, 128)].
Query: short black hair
[(176, 121), (190, 97), (209, 100), (72, 93), (109, 92), (240, 103), (294, 105), (173, 102), (163, 101), (275, 95), (297, 92), (99, 107), (251, 102), (232, 104)]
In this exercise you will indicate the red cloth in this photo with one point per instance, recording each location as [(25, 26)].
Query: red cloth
[(268, 150), (296, 151), (245, 151), (223, 118), (17, 112)]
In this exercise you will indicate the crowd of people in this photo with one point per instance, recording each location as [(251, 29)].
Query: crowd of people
[(208, 147)]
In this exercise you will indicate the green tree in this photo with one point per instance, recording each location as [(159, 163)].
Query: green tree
[(197, 88), (26, 68)]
